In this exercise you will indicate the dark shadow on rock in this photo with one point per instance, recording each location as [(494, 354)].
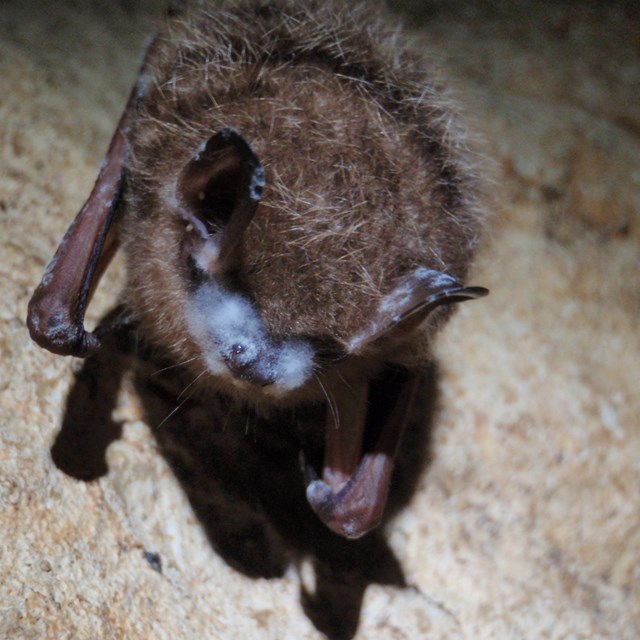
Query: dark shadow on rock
[(87, 427), (242, 476)]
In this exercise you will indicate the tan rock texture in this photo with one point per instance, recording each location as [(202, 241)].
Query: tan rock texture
[(517, 511)]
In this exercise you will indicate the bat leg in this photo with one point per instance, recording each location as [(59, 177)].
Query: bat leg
[(360, 451)]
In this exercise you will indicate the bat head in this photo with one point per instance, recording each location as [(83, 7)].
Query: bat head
[(301, 263), (289, 207), (240, 275)]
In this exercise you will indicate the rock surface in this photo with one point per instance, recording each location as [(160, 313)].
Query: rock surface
[(524, 519)]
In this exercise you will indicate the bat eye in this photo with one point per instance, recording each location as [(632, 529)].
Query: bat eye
[(328, 349)]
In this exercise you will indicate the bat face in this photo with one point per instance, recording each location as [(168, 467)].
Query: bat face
[(214, 198), (292, 222), (298, 216)]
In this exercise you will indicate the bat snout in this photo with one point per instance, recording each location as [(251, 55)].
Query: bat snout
[(251, 370)]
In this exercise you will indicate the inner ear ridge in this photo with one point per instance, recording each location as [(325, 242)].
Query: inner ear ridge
[(211, 192), (212, 181)]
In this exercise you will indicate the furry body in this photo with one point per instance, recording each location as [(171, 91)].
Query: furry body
[(298, 211), (366, 168)]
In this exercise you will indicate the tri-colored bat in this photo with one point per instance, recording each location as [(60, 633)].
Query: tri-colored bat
[(298, 209)]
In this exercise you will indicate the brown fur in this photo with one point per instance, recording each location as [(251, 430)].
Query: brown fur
[(368, 172)]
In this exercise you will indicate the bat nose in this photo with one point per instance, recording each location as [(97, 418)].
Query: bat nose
[(249, 370)]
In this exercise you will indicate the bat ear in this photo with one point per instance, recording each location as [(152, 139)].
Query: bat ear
[(413, 299), (219, 190)]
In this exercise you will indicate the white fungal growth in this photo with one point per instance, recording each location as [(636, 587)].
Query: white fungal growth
[(207, 255), (295, 364), (228, 329)]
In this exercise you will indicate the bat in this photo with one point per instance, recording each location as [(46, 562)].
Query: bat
[(298, 208)]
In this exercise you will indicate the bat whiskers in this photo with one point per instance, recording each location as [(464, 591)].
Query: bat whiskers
[(175, 366), (175, 410), (330, 400), (346, 384), (192, 383), (184, 401)]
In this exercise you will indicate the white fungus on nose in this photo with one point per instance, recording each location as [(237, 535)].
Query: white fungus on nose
[(226, 326)]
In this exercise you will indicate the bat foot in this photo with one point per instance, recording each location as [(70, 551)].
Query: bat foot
[(330, 508), (353, 510), (350, 494), (318, 493)]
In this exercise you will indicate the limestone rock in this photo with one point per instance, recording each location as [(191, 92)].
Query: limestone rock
[(522, 516)]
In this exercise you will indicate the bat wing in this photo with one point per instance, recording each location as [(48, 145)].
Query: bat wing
[(414, 298), (57, 308), (367, 419)]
